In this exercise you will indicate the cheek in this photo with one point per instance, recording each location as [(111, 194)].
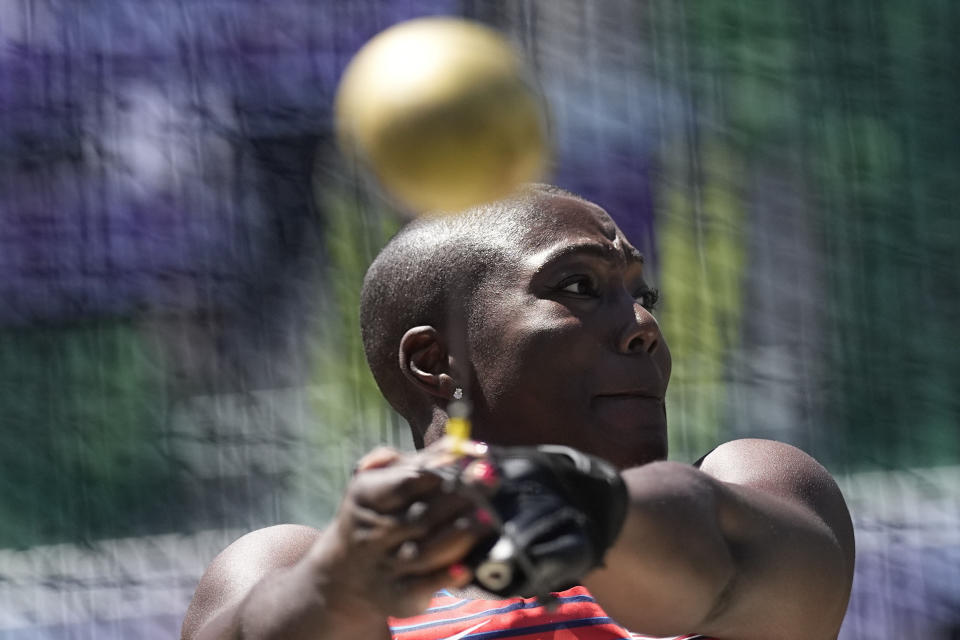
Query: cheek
[(531, 360)]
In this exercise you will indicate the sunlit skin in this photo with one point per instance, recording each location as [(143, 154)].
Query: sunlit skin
[(561, 347)]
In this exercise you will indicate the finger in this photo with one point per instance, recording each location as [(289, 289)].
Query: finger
[(386, 533), (421, 519), (393, 488), (377, 458), (378, 530), (447, 450), (463, 447), (448, 547), (439, 510)]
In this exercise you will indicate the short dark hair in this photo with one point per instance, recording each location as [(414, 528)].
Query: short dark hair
[(428, 274)]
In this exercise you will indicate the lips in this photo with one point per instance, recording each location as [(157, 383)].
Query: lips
[(629, 408)]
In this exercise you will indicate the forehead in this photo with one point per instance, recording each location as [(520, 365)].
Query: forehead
[(559, 221), (554, 217)]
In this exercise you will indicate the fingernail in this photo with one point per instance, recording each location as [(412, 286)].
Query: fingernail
[(457, 571), (415, 511), (408, 550), (484, 472), (483, 516)]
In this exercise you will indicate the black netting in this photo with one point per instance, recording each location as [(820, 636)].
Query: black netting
[(181, 249)]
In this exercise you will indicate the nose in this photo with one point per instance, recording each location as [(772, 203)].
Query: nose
[(642, 333)]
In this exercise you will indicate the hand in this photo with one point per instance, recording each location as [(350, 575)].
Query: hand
[(399, 536), (560, 510)]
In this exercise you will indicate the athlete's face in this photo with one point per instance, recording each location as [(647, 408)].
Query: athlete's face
[(564, 348)]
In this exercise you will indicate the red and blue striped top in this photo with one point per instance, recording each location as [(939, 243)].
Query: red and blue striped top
[(577, 616)]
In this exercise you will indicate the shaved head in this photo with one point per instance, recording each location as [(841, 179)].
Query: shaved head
[(539, 309), (429, 273)]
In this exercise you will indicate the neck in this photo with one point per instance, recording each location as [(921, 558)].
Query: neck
[(436, 428)]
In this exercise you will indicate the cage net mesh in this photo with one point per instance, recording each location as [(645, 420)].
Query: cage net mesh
[(181, 250)]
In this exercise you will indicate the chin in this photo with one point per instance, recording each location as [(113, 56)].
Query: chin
[(650, 454), (632, 448), (629, 432), (627, 458)]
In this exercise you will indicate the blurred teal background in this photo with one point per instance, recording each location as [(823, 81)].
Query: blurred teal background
[(181, 250)]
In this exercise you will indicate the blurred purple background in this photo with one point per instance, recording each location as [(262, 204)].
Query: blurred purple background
[(181, 249)]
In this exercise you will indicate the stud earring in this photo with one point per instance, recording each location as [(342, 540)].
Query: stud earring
[(458, 394)]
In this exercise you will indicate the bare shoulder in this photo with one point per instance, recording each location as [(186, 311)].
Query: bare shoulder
[(771, 465), (241, 565), (787, 472)]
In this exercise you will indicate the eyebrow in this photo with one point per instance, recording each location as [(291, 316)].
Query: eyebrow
[(592, 249)]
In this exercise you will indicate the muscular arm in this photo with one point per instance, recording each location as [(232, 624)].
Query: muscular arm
[(298, 583), (267, 585), (757, 543)]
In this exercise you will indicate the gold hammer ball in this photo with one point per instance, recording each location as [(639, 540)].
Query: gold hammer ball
[(442, 111)]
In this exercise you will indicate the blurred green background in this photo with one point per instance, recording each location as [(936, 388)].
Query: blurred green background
[(181, 250)]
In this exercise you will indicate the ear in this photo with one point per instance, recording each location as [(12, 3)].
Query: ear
[(425, 361)]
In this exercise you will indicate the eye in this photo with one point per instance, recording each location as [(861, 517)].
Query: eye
[(578, 285), (648, 298)]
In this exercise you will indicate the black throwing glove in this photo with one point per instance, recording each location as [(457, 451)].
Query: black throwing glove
[(558, 509)]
